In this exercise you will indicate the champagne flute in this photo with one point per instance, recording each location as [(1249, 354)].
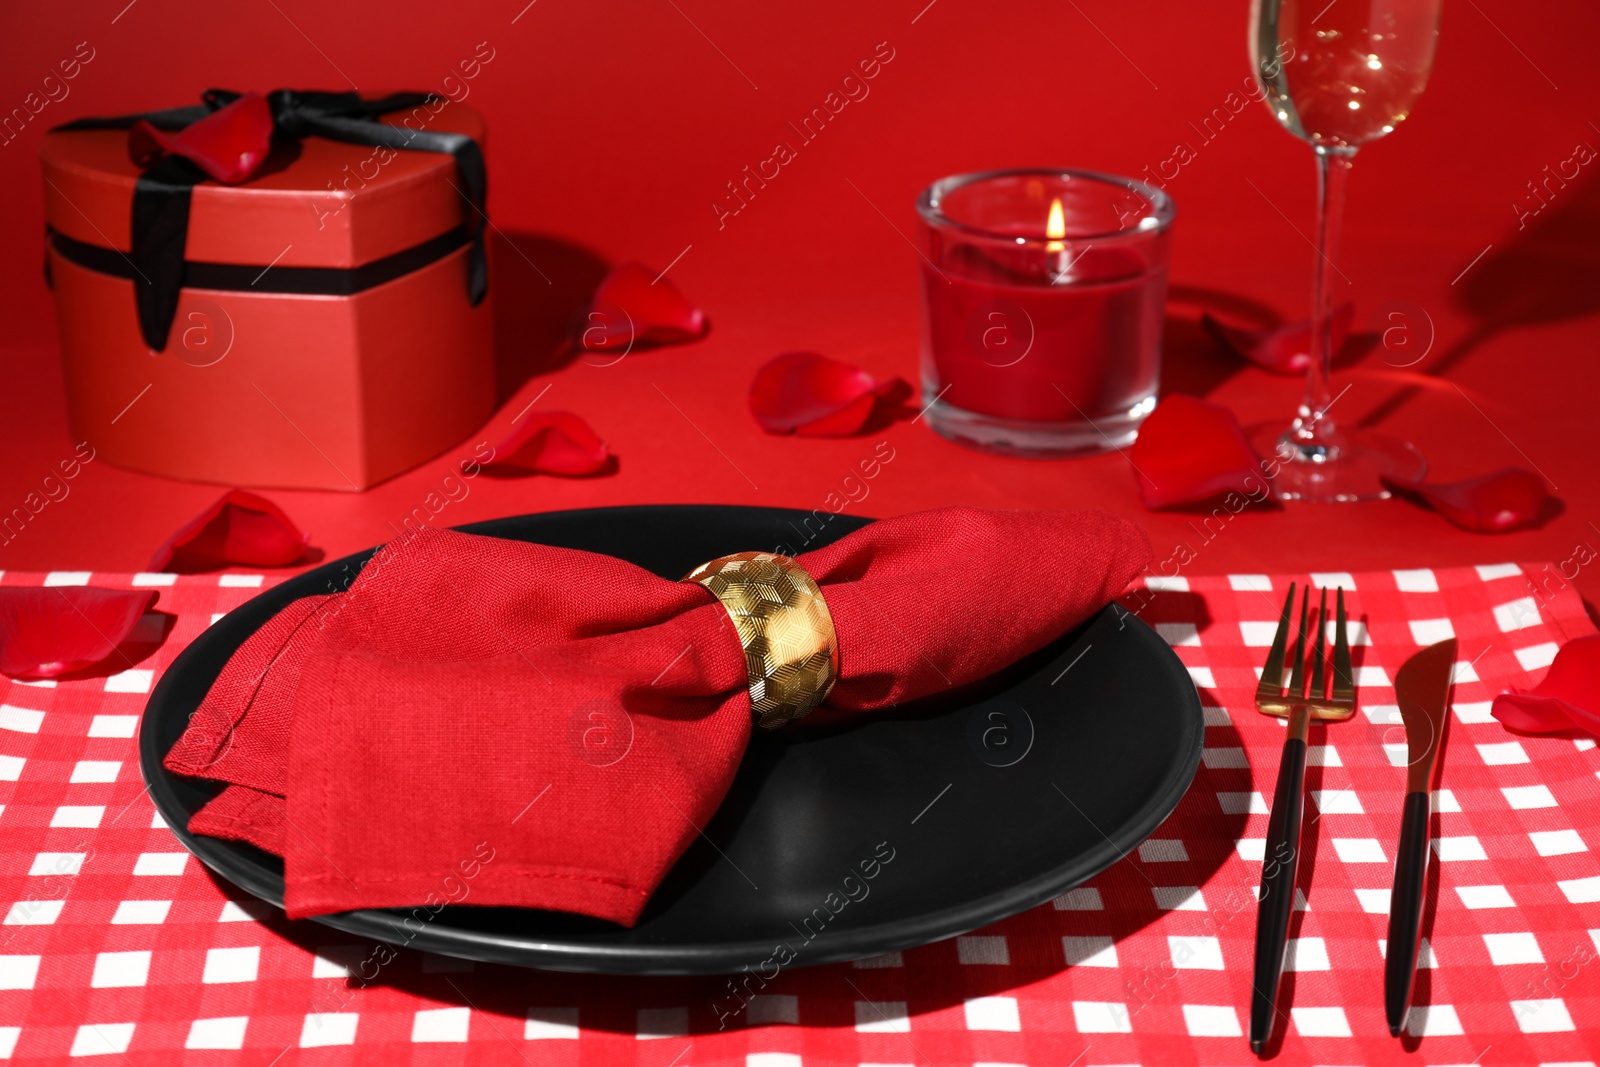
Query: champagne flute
[(1337, 74)]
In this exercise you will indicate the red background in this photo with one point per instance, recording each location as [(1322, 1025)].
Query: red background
[(614, 127)]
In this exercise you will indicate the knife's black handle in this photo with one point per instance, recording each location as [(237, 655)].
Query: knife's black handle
[(1405, 911), (1278, 869)]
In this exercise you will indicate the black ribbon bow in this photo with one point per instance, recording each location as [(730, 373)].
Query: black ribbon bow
[(161, 194)]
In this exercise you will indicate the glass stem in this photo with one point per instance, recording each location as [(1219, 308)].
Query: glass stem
[(1313, 434)]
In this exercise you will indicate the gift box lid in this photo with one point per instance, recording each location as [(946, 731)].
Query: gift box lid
[(321, 203)]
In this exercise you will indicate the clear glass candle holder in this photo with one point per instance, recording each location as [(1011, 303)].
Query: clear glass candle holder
[(1043, 298)]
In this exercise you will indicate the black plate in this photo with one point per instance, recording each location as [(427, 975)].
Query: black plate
[(988, 802)]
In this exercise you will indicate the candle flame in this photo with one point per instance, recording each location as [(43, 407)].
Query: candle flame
[(1055, 227)]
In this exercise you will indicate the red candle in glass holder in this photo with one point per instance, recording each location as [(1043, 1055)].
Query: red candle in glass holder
[(1043, 298)]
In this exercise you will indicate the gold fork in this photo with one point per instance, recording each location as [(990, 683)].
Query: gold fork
[(1299, 704)]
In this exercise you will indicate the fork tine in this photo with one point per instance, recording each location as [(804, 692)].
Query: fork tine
[(1344, 686), (1271, 685), (1297, 679), (1319, 650)]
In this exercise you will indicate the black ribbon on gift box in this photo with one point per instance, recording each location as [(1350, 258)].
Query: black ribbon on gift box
[(161, 195)]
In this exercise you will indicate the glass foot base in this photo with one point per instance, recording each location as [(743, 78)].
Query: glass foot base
[(1353, 473), (1039, 440)]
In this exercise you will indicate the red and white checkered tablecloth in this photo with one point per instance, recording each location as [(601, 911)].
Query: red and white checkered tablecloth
[(115, 943)]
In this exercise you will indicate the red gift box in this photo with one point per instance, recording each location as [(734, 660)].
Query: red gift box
[(330, 330)]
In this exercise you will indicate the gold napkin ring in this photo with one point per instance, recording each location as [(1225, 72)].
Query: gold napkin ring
[(791, 651)]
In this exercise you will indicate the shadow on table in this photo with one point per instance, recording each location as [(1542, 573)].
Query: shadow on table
[(541, 285), (148, 635), (1543, 272), (1196, 363)]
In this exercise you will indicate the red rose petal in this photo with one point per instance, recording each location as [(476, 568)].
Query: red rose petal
[(1282, 349), (1190, 450), (240, 528), (555, 442), (634, 307), (46, 632), (1568, 698), (1508, 499), (813, 396), (228, 144)]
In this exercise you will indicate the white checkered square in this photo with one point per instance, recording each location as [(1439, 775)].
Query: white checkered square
[(101, 1039), (20, 720), (1243, 804), (1431, 631), (1082, 899), (95, 770), (1557, 842), (60, 862), (18, 972), (1502, 753), (80, 816), (160, 864), (1507, 949), (1179, 898), (1581, 890), (141, 912), (882, 1017), (135, 680), (1434, 1020), (1374, 901), (1101, 1017), (1306, 954), (224, 965), (113, 725), (551, 1024), (1547, 1016), (1529, 796), (1089, 950), (1517, 614), (1535, 656), (1417, 581), (113, 969), (1359, 850), (773, 1009), (226, 1032), (993, 1013), (1211, 1020), (980, 951), (1482, 897), (1337, 801), (1195, 953), (1464, 847), (664, 1022), (34, 912), (441, 1025), (325, 1028), (1179, 633), (1320, 1022), (1157, 850)]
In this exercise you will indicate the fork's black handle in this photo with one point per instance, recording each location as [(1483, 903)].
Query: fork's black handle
[(1278, 869), (1405, 911)]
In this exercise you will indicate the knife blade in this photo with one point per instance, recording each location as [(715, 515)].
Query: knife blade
[(1422, 689)]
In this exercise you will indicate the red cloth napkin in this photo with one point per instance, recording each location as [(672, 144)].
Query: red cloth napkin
[(426, 736)]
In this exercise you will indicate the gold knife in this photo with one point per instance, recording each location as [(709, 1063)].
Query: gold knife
[(1422, 689)]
